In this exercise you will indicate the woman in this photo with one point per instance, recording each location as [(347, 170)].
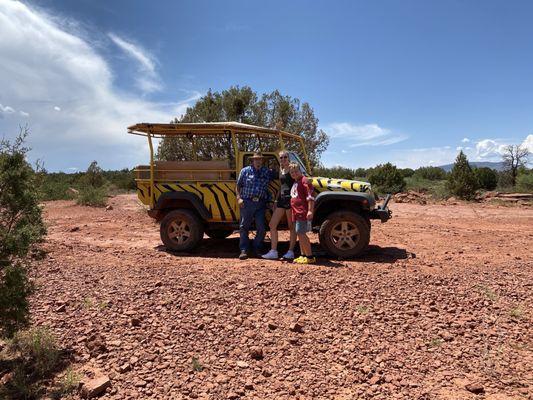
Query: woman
[(282, 207)]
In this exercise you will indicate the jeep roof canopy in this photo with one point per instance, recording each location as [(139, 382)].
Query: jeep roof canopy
[(204, 128), (235, 129)]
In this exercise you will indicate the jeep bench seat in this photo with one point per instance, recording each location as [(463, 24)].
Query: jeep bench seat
[(187, 170)]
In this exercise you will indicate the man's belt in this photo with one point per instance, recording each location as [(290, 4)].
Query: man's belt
[(255, 198)]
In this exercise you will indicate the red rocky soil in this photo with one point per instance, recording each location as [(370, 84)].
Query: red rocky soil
[(438, 308)]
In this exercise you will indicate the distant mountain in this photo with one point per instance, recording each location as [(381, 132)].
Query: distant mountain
[(498, 166)]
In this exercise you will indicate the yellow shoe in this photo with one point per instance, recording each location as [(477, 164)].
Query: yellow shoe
[(305, 260), (298, 260)]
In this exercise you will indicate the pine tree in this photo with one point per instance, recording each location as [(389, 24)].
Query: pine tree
[(462, 181)]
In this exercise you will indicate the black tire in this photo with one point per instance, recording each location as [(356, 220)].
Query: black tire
[(181, 230), (218, 233), (344, 234)]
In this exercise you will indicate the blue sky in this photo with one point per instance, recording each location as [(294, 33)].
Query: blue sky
[(409, 82)]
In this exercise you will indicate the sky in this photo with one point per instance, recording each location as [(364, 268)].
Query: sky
[(410, 82)]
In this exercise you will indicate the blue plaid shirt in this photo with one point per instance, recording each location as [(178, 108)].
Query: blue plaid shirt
[(254, 183)]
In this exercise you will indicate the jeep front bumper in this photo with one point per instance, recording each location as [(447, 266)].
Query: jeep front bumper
[(382, 212)]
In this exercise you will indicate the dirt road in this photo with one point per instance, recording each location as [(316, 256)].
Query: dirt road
[(439, 308)]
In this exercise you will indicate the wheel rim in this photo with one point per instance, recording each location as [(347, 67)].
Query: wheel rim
[(345, 235), (179, 231)]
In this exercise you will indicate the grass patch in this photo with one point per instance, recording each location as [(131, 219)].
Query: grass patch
[(363, 310), (38, 347), (436, 342), (32, 358), (67, 384), (516, 312), (196, 366), (487, 291)]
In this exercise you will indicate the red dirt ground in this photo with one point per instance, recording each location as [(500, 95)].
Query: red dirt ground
[(441, 300)]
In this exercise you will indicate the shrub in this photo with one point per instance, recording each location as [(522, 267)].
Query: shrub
[(15, 289), (430, 173), (94, 176), (92, 196), (486, 177), (524, 182), (462, 181), (21, 226), (407, 172), (437, 189), (334, 172), (386, 178)]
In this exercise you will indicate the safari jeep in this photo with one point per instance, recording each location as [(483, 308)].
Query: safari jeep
[(197, 195)]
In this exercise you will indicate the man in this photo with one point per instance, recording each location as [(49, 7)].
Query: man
[(252, 196)]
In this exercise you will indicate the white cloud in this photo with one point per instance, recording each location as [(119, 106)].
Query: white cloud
[(44, 65), (24, 113), (148, 79), (363, 135), (488, 149), (528, 143), (6, 109), (57, 108), (465, 140)]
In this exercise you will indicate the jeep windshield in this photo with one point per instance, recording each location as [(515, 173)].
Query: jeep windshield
[(293, 157)]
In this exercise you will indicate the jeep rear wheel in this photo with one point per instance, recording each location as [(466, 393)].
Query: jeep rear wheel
[(344, 234), (181, 230), (218, 233)]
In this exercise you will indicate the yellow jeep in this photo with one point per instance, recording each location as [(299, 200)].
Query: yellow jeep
[(197, 196)]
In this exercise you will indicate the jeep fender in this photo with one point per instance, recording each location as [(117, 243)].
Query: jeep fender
[(328, 202), (171, 200)]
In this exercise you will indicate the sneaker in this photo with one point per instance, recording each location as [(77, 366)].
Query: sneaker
[(271, 255), (289, 255), (298, 260), (243, 255)]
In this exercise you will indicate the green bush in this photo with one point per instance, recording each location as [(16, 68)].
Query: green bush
[(386, 178), (437, 189), (407, 172), (524, 182), (337, 172), (430, 173), (462, 181), (92, 196), (21, 226), (487, 178), (15, 289)]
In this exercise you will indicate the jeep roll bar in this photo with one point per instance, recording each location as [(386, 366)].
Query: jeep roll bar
[(193, 130)]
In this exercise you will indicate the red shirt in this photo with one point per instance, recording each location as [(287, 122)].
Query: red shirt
[(301, 193)]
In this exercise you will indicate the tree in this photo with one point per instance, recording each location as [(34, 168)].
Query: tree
[(513, 158), (21, 226), (386, 178), (430, 173), (487, 178), (271, 110), (462, 181)]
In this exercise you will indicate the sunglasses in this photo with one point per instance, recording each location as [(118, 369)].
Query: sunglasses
[(284, 157)]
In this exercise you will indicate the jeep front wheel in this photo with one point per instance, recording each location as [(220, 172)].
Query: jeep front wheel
[(344, 234), (181, 230)]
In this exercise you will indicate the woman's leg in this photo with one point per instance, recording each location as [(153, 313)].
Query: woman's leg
[(274, 222), (290, 224)]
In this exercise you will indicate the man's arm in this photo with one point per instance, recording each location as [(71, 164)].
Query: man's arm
[(240, 202)]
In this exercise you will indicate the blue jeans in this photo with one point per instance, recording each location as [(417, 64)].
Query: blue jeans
[(252, 210)]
